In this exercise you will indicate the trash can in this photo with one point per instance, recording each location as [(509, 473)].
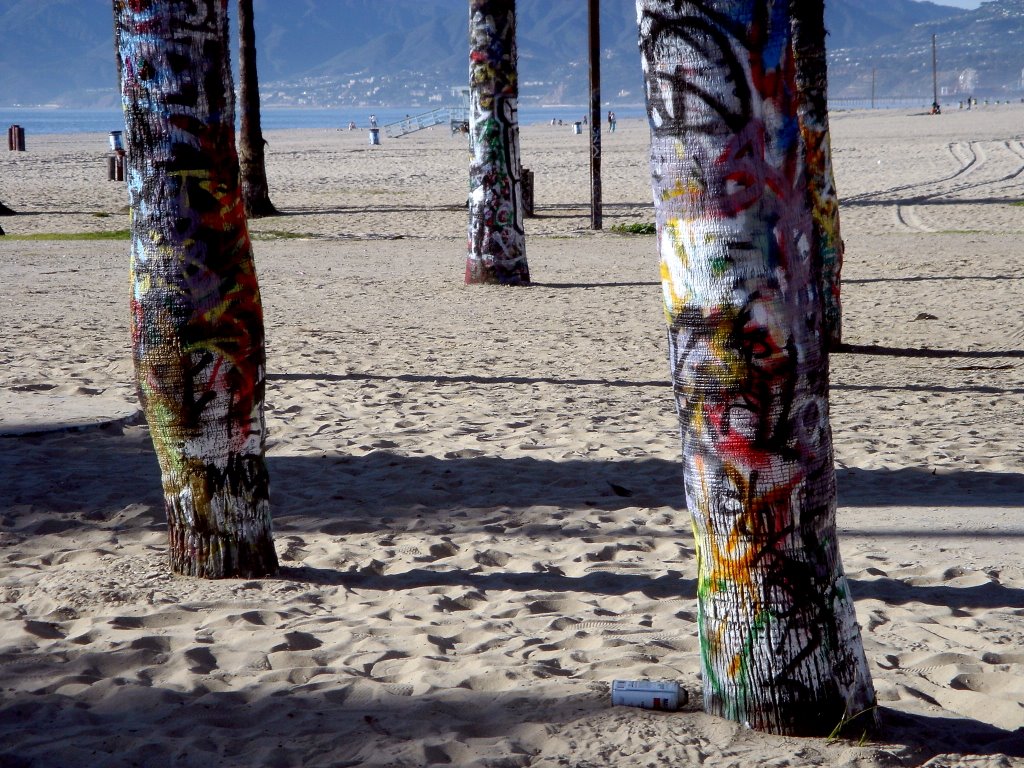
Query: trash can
[(577, 127), (16, 139), (116, 142), (115, 166), (527, 187), (375, 135)]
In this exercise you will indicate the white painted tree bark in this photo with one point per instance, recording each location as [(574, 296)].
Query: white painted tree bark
[(780, 645), (497, 238), (197, 320)]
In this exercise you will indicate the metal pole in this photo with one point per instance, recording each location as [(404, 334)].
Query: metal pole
[(872, 87), (594, 18), (935, 76)]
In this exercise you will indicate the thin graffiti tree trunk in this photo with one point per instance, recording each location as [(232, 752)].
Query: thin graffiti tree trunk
[(197, 321), (497, 239), (808, 29), (781, 649), (251, 155)]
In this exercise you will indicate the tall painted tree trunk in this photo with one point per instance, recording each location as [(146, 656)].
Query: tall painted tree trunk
[(808, 22), (781, 649), (497, 239), (197, 322), (251, 155)]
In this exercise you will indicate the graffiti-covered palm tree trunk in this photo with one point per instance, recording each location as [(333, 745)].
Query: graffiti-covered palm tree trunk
[(808, 23), (780, 645), (251, 155), (497, 241), (197, 323)]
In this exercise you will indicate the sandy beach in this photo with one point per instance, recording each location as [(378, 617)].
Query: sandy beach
[(477, 490)]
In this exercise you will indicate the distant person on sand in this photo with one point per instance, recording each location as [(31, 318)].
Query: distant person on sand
[(373, 121), (936, 109), (611, 122)]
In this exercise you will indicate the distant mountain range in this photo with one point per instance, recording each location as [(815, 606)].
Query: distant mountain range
[(411, 53)]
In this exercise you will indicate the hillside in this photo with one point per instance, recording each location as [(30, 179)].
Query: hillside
[(980, 53), (411, 52)]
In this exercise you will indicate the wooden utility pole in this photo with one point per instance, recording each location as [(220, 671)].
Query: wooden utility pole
[(594, 18)]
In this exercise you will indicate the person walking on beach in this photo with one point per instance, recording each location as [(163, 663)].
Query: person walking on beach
[(611, 121)]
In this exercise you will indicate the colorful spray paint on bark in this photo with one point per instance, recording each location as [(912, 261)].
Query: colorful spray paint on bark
[(197, 322), (808, 28), (497, 240), (781, 649)]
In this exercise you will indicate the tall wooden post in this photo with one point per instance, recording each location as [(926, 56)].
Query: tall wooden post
[(935, 76), (594, 17)]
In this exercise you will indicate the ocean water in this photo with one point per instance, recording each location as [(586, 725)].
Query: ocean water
[(43, 120)]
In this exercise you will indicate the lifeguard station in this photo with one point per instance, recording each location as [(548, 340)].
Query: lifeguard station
[(457, 118)]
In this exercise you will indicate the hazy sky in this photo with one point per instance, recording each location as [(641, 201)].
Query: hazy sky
[(959, 3)]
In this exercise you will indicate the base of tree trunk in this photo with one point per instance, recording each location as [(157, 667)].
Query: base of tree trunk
[(219, 524), (479, 273), (213, 556), (5, 211), (802, 718), (258, 209), (489, 278)]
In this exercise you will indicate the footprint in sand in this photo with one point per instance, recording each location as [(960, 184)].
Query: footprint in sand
[(163, 620), (297, 641), (45, 630), (296, 550), (877, 619), (201, 661), (152, 643), (447, 604), (492, 557), (439, 551), (1003, 658), (34, 388), (999, 684), (259, 618)]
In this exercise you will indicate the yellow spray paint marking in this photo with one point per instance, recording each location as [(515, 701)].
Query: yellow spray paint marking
[(677, 295), (735, 666), (691, 189)]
